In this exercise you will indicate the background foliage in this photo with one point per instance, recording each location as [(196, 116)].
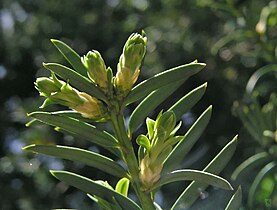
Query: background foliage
[(222, 34)]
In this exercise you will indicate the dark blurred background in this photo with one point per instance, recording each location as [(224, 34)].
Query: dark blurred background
[(223, 34)]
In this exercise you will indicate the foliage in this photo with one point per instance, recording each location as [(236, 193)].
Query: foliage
[(253, 40), (178, 32), (100, 96), (261, 124)]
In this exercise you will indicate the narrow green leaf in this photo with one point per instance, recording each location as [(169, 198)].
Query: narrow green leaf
[(189, 174), (252, 162), (185, 145), (68, 113), (105, 205), (71, 56), (157, 206), (172, 75), (122, 186), (151, 102), (76, 115), (141, 153), (83, 156), (235, 201), (113, 150), (150, 127), (79, 128), (75, 79), (267, 169), (143, 141), (188, 101), (258, 74), (91, 187), (192, 192)]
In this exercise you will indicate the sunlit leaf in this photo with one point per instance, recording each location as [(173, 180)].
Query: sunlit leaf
[(150, 127), (188, 101), (192, 192), (75, 79), (185, 145), (141, 153), (189, 174), (105, 205), (83, 156), (82, 129), (91, 187), (71, 56), (143, 141), (151, 102), (67, 113), (235, 201), (157, 206), (172, 75), (122, 186)]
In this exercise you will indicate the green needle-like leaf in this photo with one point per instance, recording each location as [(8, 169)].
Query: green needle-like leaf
[(91, 187), (141, 153), (250, 163), (150, 103), (75, 79), (79, 128), (157, 97), (235, 201), (191, 193), (83, 156), (105, 205), (66, 113), (143, 141), (162, 79), (73, 114), (258, 74), (71, 56), (157, 206), (185, 145), (188, 101), (189, 174), (267, 169), (122, 186)]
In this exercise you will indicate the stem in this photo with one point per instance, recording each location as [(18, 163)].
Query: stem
[(130, 159)]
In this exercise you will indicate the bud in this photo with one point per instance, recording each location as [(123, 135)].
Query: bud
[(128, 68), (149, 172), (165, 124), (46, 86), (91, 108), (161, 133), (96, 69), (66, 96), (59, 92)]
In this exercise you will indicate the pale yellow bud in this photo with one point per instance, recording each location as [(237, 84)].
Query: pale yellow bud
[(96, 67), (150, 172), (91, 108), (128, 68)]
